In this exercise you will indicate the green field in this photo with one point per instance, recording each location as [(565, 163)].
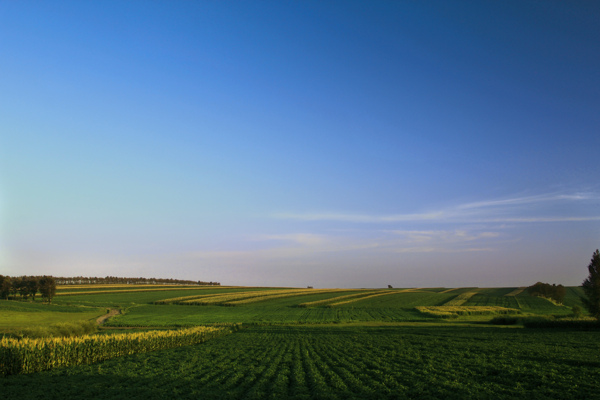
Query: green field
[(372, 347), (15, 315), (341, 362)]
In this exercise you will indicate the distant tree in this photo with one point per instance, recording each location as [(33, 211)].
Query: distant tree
[(23, 287), (548, 291), (15, 286), (47, 288), (591, 287), (559, 293), (33, 284), (390, 287), (5, 286)]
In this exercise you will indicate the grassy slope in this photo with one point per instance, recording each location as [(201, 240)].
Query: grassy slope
[(140, 311), (16, 315), (394, 307)]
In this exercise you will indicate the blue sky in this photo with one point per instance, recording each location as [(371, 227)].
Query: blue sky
[(323, 143)]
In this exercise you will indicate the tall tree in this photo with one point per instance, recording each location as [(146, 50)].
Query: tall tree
[(47, 287), (5, 286), (33, 284), (591, 287)]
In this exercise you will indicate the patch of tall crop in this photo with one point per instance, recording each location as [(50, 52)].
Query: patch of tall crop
[(65, 329), (34, 355), (454, 311)]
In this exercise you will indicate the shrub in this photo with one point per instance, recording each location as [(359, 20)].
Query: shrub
[(66, 329), (563, 323), (504, 320)]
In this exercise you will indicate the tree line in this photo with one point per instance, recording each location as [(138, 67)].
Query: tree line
[(548, 291), (85, 280), (27, 287)]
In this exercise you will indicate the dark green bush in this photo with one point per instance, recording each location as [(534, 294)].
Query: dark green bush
[(505, 320), (563, 323), (67, 329)]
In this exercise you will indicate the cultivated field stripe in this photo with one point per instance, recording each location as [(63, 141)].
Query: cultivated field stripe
[(231, 297), (335, 299), (276, 296), (130, 291), (449, 311), (371, 296), (461, 299), (516, 292)]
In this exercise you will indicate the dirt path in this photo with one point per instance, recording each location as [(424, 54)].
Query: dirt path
[(101, 320)]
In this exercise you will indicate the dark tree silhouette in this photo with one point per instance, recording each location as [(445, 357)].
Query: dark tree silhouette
[(47, 288), (5, 286), (554, 292), (591, 287)]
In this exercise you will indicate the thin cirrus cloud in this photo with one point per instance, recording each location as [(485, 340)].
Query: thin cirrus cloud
[(544, 198), (482, 211), (364, 217), (444, 236)]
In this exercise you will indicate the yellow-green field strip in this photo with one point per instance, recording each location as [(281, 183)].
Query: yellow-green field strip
[(225, 299), (177, 300), (129, 286), (452, 311), (516, 291), (133, 290), (453, 289), (317, 303), (460, 299), (370, 296), (276, 296)]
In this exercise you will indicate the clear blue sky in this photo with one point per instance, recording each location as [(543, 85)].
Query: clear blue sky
[(294, 143)]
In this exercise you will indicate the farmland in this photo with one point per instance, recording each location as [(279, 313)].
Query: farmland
[(324, 343)]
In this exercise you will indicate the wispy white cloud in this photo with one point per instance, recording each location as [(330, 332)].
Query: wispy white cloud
[(363, 217), (443, 236), (300, 238), (442, 250), (303, 246), (499, 210), (543, 198), (539, 219)]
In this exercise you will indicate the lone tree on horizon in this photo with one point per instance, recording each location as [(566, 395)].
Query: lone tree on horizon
[(591, 287)]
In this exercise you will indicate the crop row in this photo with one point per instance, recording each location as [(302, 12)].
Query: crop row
[(317, 303), (460, 299), (133, 290), (369, 296), (251, 296), (516, 291), (342, 362), (225, 298), (177, 300), (303, 292), (238, 298), (452, 311), (121, 285), (34, 355)]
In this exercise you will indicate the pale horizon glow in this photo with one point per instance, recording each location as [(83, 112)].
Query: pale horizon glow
[(330, 144)]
